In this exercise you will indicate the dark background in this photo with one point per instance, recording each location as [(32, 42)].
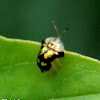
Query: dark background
[(31, 20)]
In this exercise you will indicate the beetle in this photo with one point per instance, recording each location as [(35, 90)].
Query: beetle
[(51, 48)]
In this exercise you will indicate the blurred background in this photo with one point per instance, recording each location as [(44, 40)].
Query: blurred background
[(32, 20)]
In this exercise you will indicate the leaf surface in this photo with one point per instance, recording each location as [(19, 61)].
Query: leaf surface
[(85, 97), (20, 77)]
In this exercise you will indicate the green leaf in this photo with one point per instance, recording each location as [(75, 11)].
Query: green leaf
[(86, 97), (20, 77)]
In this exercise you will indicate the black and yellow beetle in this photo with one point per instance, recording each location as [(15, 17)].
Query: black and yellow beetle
[(51, 49)]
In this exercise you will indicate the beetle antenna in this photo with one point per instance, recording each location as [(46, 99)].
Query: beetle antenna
[(64, 31), (55, 27)]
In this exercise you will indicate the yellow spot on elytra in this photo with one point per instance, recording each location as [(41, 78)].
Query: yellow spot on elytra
[(56, 53), (45, 56), (42, 50), (48, 54), (43, 64)]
